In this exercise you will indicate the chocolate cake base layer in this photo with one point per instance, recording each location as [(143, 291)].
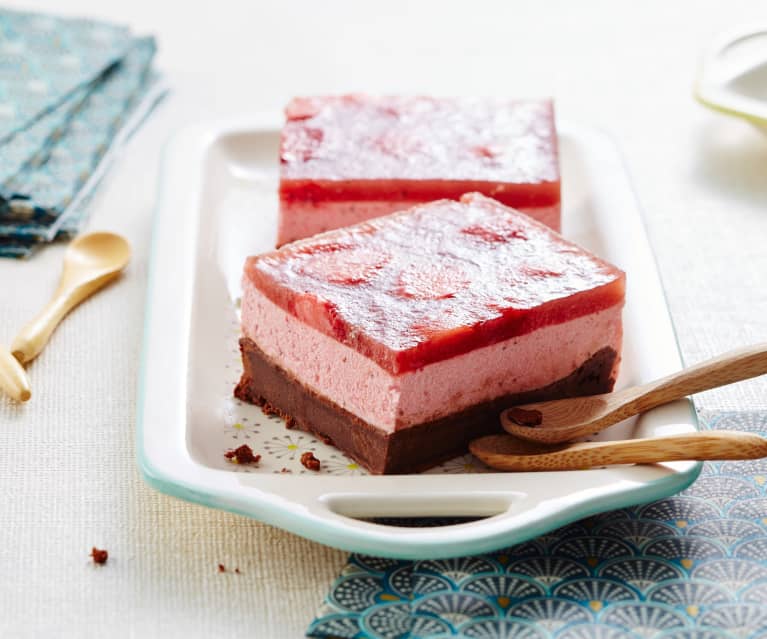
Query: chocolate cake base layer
[(409, 450)]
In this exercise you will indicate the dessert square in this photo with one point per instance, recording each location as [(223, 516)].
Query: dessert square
[(403, 337), (345, 159)]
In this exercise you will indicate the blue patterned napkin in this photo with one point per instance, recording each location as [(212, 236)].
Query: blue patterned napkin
[(690, 567), (71, 90), (43, 59)]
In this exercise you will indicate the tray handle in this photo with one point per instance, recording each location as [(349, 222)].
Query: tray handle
[(467, 504)]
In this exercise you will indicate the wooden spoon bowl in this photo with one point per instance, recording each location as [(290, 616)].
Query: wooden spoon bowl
[(568, 419), (90, 262), (13, 378)]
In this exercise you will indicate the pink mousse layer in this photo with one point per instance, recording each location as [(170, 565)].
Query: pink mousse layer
[(304, 219), (393, 402)]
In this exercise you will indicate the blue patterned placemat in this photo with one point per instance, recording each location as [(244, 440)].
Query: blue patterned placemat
[(693, 566)]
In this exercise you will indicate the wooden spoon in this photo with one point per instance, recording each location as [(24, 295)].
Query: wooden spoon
[(13, 378), (90, 262), (568, 419), (505, 452)]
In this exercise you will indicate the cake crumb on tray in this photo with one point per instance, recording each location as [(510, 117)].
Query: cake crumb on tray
[(242, 455), (310, 462)]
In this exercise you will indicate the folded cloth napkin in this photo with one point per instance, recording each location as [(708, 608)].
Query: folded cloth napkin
[(71, 91), (692, 566)]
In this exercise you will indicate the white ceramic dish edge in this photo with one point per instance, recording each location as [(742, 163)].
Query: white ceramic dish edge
[(522, 505), (733, 86)]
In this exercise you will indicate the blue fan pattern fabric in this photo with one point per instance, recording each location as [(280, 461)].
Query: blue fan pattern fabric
[(693, 566), (70, 91)]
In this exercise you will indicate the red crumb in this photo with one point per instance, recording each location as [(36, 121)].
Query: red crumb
[(325, 439), (242, 455), (222, 568), (523, 417), (99, 556), (309, 461), (285, 470)]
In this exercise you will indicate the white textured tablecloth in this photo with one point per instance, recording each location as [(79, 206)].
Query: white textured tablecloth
[(68, 479)]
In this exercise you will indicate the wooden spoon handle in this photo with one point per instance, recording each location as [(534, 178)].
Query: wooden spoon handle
[(734, 366), (35, 334), (508, 453), (701, 446)]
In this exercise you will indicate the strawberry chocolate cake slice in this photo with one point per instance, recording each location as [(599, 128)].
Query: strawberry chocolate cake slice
[(345, 159), (403, 337)]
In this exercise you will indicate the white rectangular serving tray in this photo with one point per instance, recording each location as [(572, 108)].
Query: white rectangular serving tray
[(217, 204)]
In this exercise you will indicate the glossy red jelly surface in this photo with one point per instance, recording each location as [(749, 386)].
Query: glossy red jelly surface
[(435, 281), (358, 147)]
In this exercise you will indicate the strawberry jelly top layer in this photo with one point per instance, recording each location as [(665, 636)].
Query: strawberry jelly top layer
[(357, 147), (435, 281)]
